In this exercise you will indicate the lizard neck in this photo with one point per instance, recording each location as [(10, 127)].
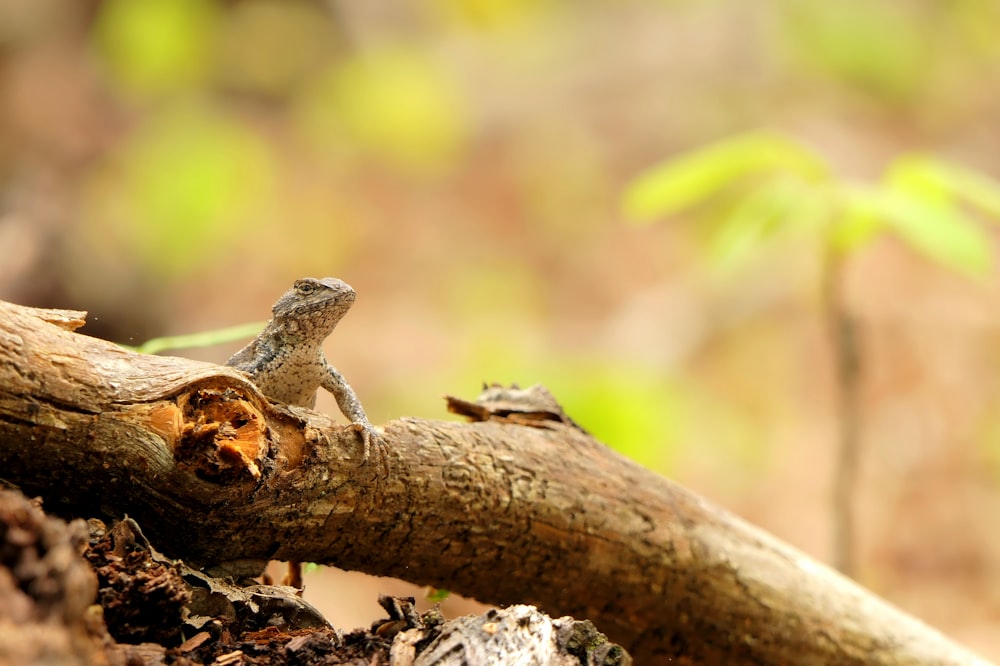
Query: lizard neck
[(293, 335)]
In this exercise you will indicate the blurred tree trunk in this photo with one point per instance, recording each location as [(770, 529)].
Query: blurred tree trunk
[(523, 507)]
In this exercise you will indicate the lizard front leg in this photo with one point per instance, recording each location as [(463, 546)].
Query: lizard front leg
[(349, 404)]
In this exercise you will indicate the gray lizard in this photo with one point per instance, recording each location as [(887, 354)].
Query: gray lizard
[(286, 359)]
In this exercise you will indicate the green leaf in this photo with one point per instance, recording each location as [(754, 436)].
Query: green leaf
[(757, 217), (877, 48), (436, 595), (941, 233), (976, 188), (393, 103), (157, 46), (919, 177), (703, 174), (185, 182), (934, 178), (859, 223)]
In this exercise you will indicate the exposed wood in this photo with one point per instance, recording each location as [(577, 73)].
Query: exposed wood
[(69, 320), (513, 635), (502, 512)]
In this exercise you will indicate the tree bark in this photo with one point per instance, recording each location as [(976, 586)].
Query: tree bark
[(500, 511)]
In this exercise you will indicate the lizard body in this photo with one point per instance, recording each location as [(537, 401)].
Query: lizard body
[(286, 359)]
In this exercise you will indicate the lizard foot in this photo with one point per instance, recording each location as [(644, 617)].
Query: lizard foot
[(370, 438)]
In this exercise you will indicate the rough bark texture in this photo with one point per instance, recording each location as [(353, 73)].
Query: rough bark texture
[(502, 512)]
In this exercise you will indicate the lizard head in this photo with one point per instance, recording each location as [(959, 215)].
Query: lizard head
[(315, 304)]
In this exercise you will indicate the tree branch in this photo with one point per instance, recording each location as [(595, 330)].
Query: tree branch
[(499, 511)]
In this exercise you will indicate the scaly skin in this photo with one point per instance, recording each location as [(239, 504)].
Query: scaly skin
[(286, 360)]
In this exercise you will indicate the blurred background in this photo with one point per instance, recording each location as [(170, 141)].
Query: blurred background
[(171, 166)]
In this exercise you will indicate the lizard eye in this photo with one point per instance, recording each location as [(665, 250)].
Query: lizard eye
[(306, 288)]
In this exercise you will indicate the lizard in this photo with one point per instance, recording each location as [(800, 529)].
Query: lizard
[(286, 362)]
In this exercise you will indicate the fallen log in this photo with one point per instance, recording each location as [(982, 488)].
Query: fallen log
[(512, 509)]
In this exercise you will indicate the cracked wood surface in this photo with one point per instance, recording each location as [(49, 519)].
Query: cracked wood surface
[(499, 511)]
